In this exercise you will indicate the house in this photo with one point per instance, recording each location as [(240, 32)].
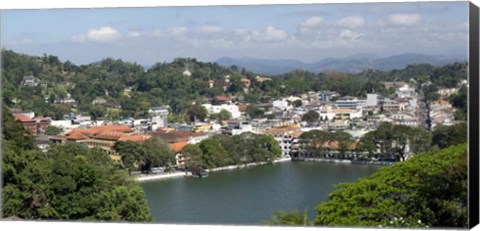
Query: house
[(393, 84), (17, 111), (245, 81), (35, 126), (111, 105), (236, 127), (223, 83), (446, 92), (326, 96), (213, 109), (283, 105), (29, 81), (99, 100), (338, 125), (262, 79), (179, 158), (347, 113), (127, 91)]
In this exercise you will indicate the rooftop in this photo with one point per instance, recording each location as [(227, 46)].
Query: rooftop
[(23, 118)]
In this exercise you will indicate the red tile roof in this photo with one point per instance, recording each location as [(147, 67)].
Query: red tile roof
[(109, 135), (177, 147), (222, 98), (137, 138), (77, 135), (23, 118), (176, 136)]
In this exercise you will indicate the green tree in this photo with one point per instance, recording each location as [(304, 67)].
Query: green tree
[(52, 130), (311, 117), (157, 153), (291, 218), (69, 182), (132, 154), (196, 112), (297, 103), (445, 136), (428, 190), (393, 139), (213, 153), (193, 157), (254, 112)]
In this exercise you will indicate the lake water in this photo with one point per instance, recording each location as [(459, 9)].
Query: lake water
[(248, 196)]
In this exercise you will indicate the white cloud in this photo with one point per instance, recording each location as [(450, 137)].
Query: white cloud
[(312, 22), (349, 35), (404, 19), (351, 22), (134, 34), (209, 29), (271, 34), (101, 35), (171, 32)]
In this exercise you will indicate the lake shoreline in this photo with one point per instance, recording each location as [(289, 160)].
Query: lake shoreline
[(347, 162), (176, 174)]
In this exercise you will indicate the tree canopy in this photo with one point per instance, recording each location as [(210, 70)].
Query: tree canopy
[(68, 182), (429, 190)]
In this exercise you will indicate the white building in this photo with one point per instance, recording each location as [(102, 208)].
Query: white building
[(341, 113), (287, 138), (233, 109), (405, 91), (349, 102), (372, 100), (281, 104), (402, 118), (237, 127), (159, 117)]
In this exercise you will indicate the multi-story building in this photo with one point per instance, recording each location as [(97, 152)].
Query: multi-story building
[(349, 102), (233, 109), (405, 91), (159, 117), (404, 118), (35, 126), (287, 138), (237, 127)]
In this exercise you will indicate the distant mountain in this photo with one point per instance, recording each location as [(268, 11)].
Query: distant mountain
[(353, 64)]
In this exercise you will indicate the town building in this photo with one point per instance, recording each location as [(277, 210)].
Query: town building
[(213, 109), (405, 91), (35, 126), (236, 127), (348, 102), (30, 81), (159, 116), (287, 138), (102, 137)]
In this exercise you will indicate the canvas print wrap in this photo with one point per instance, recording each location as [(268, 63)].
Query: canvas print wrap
[(332, 115)]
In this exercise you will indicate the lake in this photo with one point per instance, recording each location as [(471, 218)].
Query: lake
[(248, 196)]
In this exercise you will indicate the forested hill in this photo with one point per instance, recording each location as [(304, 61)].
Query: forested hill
[(133, 90)]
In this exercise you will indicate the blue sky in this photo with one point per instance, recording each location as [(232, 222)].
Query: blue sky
[(308, 32)]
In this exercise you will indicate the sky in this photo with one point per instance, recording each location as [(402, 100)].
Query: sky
[(306, 32)]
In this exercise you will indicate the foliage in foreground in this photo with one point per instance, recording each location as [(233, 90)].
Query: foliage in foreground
[(69, 182), (428, 190), (293, 218)]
